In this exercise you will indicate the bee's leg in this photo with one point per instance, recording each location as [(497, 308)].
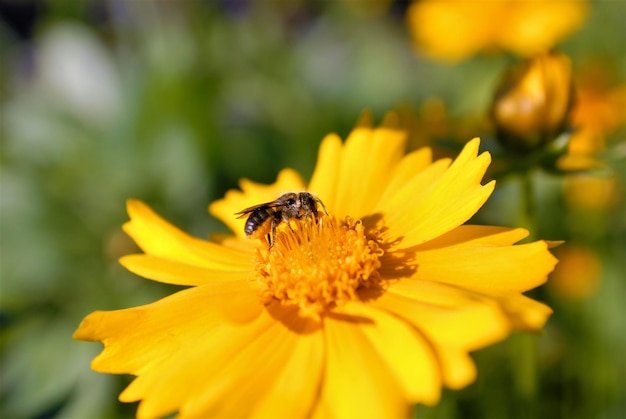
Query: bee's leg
[(322, 204), (286, 219), (272, 235)]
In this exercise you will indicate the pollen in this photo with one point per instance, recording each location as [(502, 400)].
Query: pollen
[(319, 264)]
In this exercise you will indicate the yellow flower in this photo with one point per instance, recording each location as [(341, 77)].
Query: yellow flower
[(599, 111), (456, 29), (533, 101), (360, 313), (592, 193), (579, 273)]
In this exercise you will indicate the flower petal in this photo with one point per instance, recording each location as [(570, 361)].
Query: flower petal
[(458, 368), (410, 165), (324, 180), (455, 316), (488, 269), (475, 235), (276, 374), (397, 199), (405, 352), (355, 373), (463, 36), (523, 27), (524, 312), (295, 382), (157, 237), (178, 273), (454, 321), (551, 22), (200, 363), (369, 157), (137, 338), (423, 211), (231, 366), (253, 194)]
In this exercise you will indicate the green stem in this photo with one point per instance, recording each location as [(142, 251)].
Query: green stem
[(524, 346), (528, 213), (524, 358)]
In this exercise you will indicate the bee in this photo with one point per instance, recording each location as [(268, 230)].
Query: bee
[(263, 219)]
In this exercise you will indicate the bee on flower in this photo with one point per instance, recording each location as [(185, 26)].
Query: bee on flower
[(363, 311)]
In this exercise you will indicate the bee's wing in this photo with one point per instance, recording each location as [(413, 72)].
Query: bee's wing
[(248, 210)]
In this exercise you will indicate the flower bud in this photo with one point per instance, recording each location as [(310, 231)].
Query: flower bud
[(532, 102)]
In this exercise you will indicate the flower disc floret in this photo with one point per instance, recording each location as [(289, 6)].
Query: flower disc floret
[(319, 265)]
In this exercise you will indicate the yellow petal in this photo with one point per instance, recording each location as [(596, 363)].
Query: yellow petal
[(404, 352), (198, 365), (178, 273), (536, 26), (448, 314), (137, 338), (366, 119), (367, 161), (488, 269), (525, 27), (324, 180), (357, 383), (244, 245), (405, 196), (452, 321), (525, 313), (385, 151), (252, 194), (419, 215), (457, 367), (428, 19), (293, 384), (409, 166), (276, 374), (354, 150), (475, 235), (157, 237)]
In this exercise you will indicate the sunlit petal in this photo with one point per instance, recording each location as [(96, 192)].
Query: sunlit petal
[(369, 156), (178, 273), (155, 331), (324, 180), (356, 373), (157, 237), (406, 353), (445, 203), (489, 269)]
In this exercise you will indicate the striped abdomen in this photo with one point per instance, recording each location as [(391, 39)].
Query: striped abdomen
[(259, 223)]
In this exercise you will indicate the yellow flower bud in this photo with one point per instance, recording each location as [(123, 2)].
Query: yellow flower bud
[(532, 102)]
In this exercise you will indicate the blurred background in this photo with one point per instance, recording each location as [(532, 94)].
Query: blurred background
[(174, 102)]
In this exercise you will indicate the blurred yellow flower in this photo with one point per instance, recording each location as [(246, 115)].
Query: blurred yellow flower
[(362, 313), (532, 103), (599, 110), (592, 193), (456, 29), (578, 274)]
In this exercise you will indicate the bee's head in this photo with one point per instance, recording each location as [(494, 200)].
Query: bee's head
[(307, 202), (290, 203), (298, 205)]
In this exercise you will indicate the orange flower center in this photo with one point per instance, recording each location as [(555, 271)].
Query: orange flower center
[(318, 265)]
